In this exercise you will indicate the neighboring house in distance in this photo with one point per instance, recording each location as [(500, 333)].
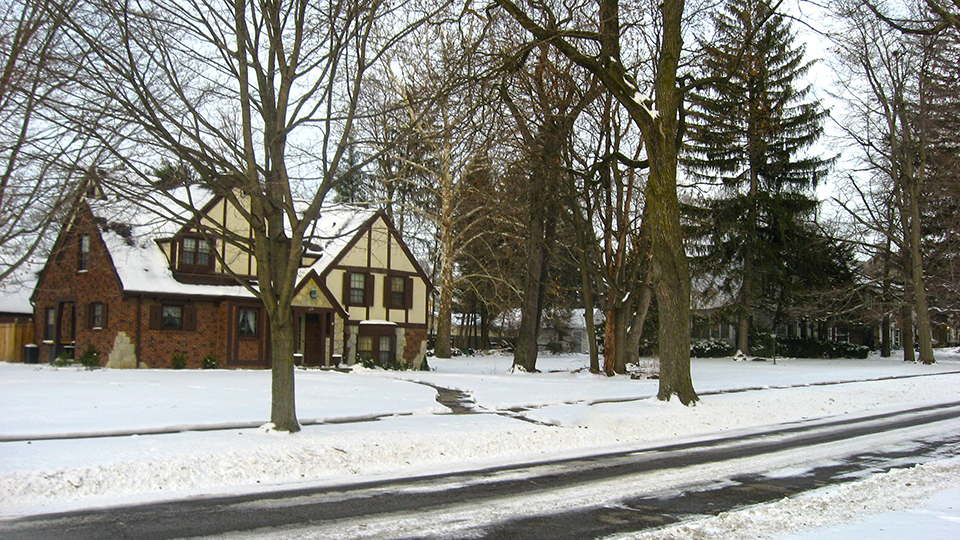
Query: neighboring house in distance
[(138, 286), (565, 330)]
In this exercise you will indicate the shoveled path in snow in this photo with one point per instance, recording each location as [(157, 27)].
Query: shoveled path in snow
[(575, 498), (457, 401)]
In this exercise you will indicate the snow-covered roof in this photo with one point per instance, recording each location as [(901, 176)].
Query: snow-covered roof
[(131, 230), (15, 296), (142, 267), (332, 232), (155, 214)]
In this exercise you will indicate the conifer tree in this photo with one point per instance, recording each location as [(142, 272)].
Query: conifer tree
[(750, 130)]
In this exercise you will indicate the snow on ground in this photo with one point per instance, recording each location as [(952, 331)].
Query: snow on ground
[(373, 423)]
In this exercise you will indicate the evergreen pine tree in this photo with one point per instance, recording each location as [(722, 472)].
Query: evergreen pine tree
[(749, 133), (941, 189), (350, 182)]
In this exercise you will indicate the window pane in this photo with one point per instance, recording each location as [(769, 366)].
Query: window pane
[(386, 354), (171, 317), (189, 251), (397, 289), (51, 324), (97, 312), (84, 252), (358, 283), (248, 322), (203, 253)]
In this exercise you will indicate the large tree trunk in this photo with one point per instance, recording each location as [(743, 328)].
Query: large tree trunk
[(924, 332), (442, 348), (673, 283), (616, 348), (283, 411), (745, 297), (484, 325), (885, 345), (669, 255), (906, 333), (276, 271), (525, 349), (743, 330), (611, 345), (885, 336)]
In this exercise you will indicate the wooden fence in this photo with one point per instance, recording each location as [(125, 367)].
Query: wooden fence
[(13, 336)]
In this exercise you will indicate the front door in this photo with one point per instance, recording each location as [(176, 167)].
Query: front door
[(315, 340)]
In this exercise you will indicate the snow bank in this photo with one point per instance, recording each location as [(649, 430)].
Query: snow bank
[(805, 516), (562, 412)]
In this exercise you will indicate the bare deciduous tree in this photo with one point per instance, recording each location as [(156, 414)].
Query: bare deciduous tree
[(941, 15), (38, 158), (884, 90), (260, 99), (435, 141), (598, 50)]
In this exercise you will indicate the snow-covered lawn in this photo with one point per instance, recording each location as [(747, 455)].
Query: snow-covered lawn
[(409, 433)]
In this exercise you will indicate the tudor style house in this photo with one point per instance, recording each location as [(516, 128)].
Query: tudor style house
[(139, 287)]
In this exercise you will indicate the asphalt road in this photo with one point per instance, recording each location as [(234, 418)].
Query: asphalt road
[(565, 499)]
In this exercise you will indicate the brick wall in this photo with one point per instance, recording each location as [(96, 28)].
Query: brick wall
[(69, 290), (157, 347)]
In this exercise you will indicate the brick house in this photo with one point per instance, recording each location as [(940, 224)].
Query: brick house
[(138, 286)]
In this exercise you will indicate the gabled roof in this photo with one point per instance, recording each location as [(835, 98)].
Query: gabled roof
[(334, 232)]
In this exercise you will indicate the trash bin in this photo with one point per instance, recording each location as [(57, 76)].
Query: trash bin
[(31, 354)]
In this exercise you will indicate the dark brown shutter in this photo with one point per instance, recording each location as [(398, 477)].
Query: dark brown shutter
[(368, 290), (387, 297), (346, 288), (90, 314), (190, 318), (104, 312), (155, 312), (408, 293)]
